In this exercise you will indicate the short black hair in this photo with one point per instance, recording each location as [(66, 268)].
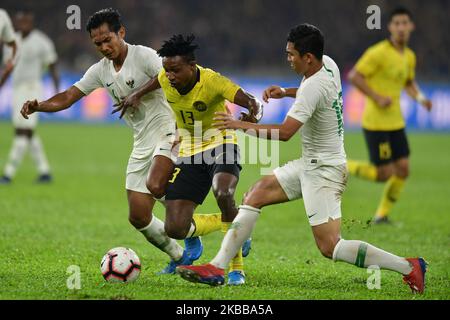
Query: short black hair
[(110, 16), (25, 10), (399, 11), (178, 45), (307, 38)]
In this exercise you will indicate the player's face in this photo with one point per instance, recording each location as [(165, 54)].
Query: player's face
[(179, 72), (400, 28), (25, 22), (107, 42), (298, 63)]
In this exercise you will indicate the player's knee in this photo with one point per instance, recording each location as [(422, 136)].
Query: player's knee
[(255, 197), (402, 171), (176, 231), (384, 173), (224, 197), (326, 247), (138, 222), (157, 189)]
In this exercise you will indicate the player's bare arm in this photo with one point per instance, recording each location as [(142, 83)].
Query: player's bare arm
[(248, 101), (133, 99), (55, 75), (358, 80), (413, 90), (277, 92), (284, 131), (9, 65), (58, 102)]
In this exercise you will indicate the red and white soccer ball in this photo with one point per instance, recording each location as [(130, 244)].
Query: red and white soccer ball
[(120, 265)]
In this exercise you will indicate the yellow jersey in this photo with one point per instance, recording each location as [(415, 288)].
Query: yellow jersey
[(194, 111), (386, 71)]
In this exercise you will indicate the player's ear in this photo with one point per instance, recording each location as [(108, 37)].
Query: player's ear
[(121, 32), (389, 27)]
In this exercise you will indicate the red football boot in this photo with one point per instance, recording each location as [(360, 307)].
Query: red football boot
[(416, 278), (204, 273)]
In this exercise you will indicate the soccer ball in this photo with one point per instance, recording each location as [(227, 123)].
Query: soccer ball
[(120, 265)]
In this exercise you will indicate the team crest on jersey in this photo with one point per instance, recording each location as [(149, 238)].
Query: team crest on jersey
[(130, 83), (200, 106)]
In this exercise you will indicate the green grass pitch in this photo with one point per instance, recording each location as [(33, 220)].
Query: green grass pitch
[(75, 220)]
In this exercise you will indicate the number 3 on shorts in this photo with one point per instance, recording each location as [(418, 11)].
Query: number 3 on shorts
[(176, 171)]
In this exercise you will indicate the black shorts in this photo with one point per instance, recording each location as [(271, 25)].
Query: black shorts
[(192, 176), (386, 146)]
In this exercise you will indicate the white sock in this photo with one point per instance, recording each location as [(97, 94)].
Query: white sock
[(18, 149), (191, 231), (38, 154), (239, 231), (156, 235), (363, 254)]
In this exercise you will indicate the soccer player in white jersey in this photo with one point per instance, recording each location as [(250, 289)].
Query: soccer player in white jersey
[(319, 176), (7, 36), (36, 53), (123, 69)]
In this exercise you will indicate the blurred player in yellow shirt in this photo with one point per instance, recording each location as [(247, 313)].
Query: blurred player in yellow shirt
[(383, 71)]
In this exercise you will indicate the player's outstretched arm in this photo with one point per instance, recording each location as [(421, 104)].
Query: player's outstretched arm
[(133, 99), (413, 90), (281, 132), (253, 105), (358, 80), (277, 92), (55, 76), (58, 102)]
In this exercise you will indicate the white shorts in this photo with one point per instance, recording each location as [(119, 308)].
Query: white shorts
[(22, 93), (141, 159), (321, 188)]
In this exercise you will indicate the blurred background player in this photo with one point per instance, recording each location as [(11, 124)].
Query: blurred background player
[(319, 177), (7, 37), (383, 71), (208, 158), (36, 53), (123, 69)]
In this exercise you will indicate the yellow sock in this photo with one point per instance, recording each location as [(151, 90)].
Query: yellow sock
[(237, 264), (362, 170), (391, 193), (206, 223)]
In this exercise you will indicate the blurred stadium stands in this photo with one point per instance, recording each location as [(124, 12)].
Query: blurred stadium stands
[(245, 40)]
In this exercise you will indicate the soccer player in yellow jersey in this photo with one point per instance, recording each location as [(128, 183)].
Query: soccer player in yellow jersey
[(207, 157), (383, 71)]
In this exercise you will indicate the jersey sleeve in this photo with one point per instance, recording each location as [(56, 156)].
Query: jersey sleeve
[(8, 53), (150, 61), (412, 68), (369, 62), (306, 101), (90, 80), (7, 33), (162, 79), (225, 87), (48, 51)]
